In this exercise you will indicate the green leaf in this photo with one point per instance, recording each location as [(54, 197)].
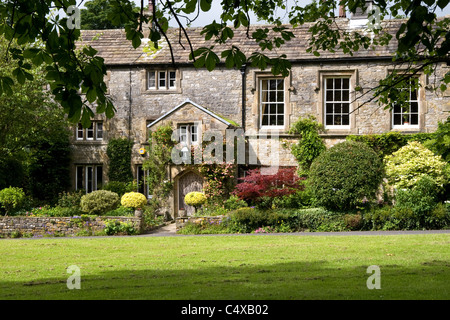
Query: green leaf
[(211, 60), (110, 110), (205, 5), (190, 7), (91, 95), (20, 75), (86, 118)]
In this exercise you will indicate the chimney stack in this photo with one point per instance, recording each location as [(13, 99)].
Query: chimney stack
[(342, 12), (150, 7)]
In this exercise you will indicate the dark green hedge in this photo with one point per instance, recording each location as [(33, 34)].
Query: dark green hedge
[(387, 143), (343, 175)]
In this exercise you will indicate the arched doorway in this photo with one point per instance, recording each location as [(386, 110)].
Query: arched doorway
[(188, 182)]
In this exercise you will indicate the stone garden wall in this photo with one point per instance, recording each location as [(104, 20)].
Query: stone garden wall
[(59, 226)]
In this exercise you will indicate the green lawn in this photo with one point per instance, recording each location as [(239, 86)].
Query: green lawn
[(227, 267)]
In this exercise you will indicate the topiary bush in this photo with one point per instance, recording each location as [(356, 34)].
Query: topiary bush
[(99, 202), (406, 166), (195, 199), (343, 175), (133, 200)]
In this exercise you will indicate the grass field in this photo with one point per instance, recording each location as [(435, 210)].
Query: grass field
[(279, 267)]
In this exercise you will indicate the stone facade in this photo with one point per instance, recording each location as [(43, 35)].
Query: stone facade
[(139, 104)]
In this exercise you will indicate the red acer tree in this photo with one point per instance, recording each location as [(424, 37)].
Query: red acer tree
[(257, 184)]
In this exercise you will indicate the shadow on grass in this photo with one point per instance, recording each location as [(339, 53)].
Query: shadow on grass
[(279, 281)]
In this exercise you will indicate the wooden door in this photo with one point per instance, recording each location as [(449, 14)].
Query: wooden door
[(188, 183)]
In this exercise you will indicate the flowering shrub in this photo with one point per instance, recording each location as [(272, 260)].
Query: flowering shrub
[(195, 199), (133, 200), (219, 181), (265, 230), (405, 167)]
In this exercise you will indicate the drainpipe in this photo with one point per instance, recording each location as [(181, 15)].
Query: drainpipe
[(243, 69), (129, 109)]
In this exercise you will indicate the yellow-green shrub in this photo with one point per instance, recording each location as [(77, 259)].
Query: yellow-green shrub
[(195, 199), (99, 202), (133, 200), (405, 167)]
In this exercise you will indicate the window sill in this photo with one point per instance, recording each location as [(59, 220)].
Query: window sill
[(159, 91), (406, 128)]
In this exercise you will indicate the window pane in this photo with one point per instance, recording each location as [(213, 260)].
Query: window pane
[(329, 120), (329, 95), (337, 95), (414, 119), (151, 79), (413, 94), (280, 108), (280, 120), (273, 109), (183, 133), (329, 83), (397, 119), (345, 108), (79, 178), (80, 132), (272, 120), (337, 108), (99, 131), (194, 134), (99, 177), (265, 120), (272, 84), (345, 95), (337, 83), (346, 83), (89, 179), (162, 80), (172, 79), (264, 85), (337, 120), (414, 107), (345, 120), (329, 108), (280, 96), (280, 84), (272, 96), (90, 132)]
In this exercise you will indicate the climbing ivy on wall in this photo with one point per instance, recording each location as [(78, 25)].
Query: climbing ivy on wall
[(119, 154)]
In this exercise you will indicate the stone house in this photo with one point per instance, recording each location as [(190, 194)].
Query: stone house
[(148, 90)]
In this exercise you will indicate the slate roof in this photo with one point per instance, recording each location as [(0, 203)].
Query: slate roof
[(113, 46)]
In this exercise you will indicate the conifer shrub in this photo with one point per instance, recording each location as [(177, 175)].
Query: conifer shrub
[(342, 176)]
